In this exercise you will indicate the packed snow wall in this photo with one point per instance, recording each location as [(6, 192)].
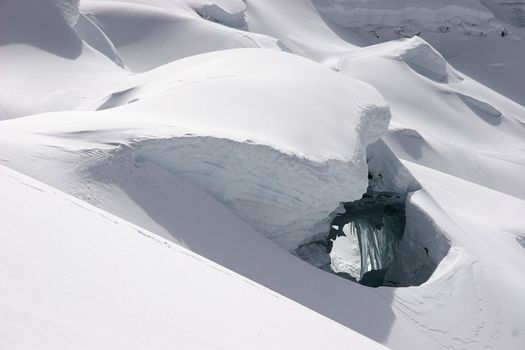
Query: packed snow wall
[(284, 197)]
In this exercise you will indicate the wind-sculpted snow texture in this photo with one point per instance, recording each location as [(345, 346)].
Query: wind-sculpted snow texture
[(234, 130)]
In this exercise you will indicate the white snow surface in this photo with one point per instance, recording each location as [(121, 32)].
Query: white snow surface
[(110, 284), (232, 129), (285, 173)]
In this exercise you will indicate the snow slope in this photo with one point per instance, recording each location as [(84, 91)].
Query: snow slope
[(110, 284), (137, 30), (483, 39), (470, 131)]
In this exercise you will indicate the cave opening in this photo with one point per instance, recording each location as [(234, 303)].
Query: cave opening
[(383, 238), (362, 241)]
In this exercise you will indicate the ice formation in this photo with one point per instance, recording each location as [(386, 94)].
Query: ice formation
[(376, 224), (186, 118), (378, 240)]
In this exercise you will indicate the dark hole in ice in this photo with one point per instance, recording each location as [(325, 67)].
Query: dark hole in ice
[(363, 241), (384, 238), (374, 227)]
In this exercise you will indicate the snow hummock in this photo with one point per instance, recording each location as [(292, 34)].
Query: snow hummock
[(228, 12), (140, 32), (315, 139), (425, 60)]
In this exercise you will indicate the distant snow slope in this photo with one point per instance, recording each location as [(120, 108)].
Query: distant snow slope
[(483, 39), (443, 119), (234, 128), (139, 30)]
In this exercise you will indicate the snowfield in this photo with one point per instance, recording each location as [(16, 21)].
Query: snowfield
[(179, 172), (88, 298)]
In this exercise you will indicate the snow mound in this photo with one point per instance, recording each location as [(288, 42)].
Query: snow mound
[(140, 33), (314, 141), (442, 121), (229, 13), (328, 117), (69, 9), (482, 109), (425, 60)]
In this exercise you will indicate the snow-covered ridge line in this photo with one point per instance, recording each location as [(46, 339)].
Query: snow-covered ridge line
[(229, 13), (439, 16), (69, 10)]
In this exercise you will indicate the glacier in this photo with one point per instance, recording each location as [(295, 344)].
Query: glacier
[(226, 174)]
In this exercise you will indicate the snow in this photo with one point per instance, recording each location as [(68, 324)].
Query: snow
[(313, 155), (433, 136), (424, 15), (227, 12), (140, 33), (45, 65), (110, 284), (233, 130)]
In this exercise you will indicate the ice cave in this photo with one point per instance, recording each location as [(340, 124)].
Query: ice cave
[(364, 240), (381, 239)]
